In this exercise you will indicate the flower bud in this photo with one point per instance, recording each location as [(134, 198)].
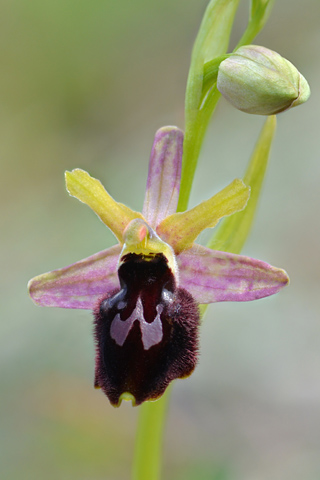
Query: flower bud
[(257, 80)]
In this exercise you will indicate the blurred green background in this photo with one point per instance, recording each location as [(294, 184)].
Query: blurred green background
[(86, 84)]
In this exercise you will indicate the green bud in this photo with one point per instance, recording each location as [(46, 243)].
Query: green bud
[(257, 80)]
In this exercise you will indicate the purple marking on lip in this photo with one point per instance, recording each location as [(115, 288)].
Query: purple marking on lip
[(151, 333)]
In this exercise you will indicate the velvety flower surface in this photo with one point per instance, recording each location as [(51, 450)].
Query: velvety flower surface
[(145, 291)]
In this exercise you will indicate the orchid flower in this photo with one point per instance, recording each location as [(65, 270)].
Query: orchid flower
[(145, 291)]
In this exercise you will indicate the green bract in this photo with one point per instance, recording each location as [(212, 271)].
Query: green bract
[(257, 80)]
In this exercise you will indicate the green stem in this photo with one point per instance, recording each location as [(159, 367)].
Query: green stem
[(249, 35), (194, 135), (149, 439)]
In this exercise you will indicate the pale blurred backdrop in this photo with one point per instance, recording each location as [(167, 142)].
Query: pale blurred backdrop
[(86, 84)]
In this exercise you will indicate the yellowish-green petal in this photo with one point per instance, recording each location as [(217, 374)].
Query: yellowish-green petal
[(181, 229), (90, 191)]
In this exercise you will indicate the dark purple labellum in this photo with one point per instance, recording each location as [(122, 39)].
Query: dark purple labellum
[(146, 333)]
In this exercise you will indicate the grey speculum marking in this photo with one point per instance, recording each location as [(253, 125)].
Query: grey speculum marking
[(151, 333)]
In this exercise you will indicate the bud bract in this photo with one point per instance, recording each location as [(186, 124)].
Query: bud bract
[(257, 80)]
